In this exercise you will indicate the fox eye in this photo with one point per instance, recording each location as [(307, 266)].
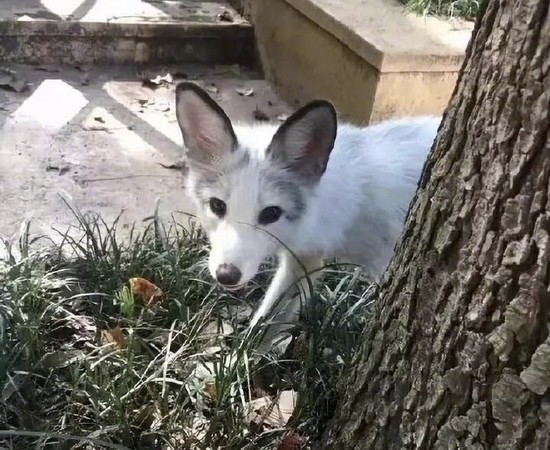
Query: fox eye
[(270, 215), (217, 206)]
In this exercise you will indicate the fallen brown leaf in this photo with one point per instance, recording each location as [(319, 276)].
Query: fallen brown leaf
[(260, 115), (292, 441), (210, 389), (114, 336), (225, 17), (178, 165), (149, 292), (245, 92)]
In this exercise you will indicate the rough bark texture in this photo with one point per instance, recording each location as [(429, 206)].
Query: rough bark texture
[(459, 353)]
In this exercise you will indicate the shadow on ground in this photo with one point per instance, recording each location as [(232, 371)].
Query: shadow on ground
[(104, 140)]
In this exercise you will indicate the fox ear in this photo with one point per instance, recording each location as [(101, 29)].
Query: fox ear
[(303, 143), (207, 131)]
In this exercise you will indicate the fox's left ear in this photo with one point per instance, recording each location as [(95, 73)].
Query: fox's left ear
[(303, 143)]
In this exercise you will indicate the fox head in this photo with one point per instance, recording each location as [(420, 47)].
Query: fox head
[(251, 185)]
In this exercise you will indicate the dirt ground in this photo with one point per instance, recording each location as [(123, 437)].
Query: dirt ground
[(104, 140)]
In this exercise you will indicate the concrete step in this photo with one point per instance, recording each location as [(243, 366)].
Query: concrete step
[(106, 141), (123, 31)]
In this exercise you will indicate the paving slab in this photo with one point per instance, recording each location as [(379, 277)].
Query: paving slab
[(123, 32), (104, 141)]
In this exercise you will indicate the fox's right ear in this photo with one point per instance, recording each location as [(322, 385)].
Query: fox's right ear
[(207, 131)]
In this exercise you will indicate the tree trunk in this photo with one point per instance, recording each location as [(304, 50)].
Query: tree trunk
[(458, 356)]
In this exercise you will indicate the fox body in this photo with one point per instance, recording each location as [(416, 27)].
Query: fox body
[(307, 190)]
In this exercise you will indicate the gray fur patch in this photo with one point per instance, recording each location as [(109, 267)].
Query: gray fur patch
[(277, 182), (210, 178), (242, 161), (295, 205)]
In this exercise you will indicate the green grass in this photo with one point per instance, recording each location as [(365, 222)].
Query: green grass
[(467, 9), (186, 373)]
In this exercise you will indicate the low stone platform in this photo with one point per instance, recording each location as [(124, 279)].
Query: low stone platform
[(372, 58)]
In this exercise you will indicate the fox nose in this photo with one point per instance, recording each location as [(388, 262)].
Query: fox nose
[(228, 274)]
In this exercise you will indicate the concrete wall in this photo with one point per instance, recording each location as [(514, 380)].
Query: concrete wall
[(305, 61)]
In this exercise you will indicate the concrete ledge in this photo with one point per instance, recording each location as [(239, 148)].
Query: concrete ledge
[(369, 57), (133, 32)]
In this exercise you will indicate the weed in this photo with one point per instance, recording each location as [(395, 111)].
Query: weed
[(85, 363), (467, 9)]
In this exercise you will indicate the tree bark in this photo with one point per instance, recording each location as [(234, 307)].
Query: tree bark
[(458, 356)]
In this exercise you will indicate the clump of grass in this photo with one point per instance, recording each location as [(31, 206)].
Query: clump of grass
[(84, 363), (466, 9)]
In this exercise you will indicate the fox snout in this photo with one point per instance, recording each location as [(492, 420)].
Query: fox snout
[(228, 275)]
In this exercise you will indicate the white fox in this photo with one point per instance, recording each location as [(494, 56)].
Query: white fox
[(307, 190)]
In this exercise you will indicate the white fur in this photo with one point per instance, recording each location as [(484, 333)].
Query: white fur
[(357, 211), (354, 213)]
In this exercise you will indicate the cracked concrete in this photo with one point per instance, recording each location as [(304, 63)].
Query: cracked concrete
[(99, 139)]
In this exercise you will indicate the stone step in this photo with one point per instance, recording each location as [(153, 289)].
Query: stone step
[(123, 31)]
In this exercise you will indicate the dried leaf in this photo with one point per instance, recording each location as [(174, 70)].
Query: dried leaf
[(214, 329), (49, 68), (167, 79), (226, 16), (284, 408), (199, 428), (85, 79), (204, 371), (274, 413), (292, 441), (159, 80), (147, 416), (282, 117), (162, 107), (149, 292), (210, 389), (178, 165), (245, 92), (212, 89), (61, 169), (260, 115), (11, 83), (114, 336), (240, 312)]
